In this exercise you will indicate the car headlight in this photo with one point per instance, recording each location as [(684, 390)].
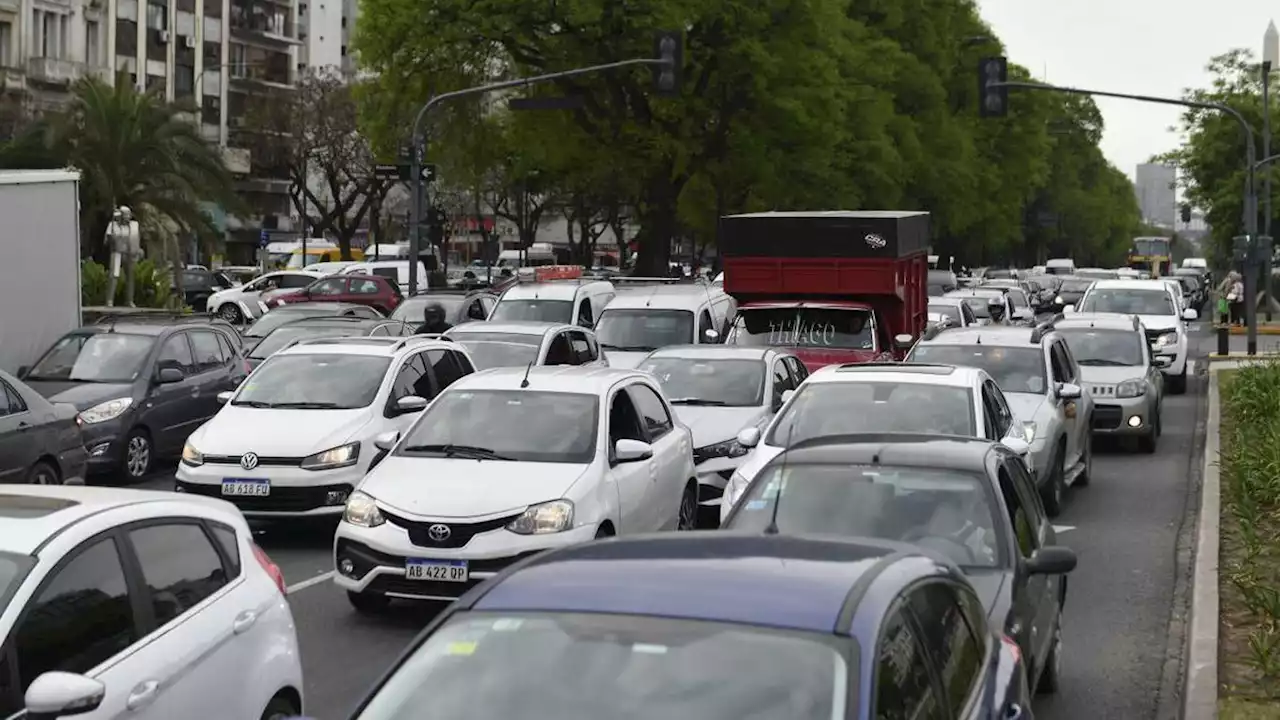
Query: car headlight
[(362, 510), (102, 412), (545, 518), (191, 456), (1167, 339), (728, 449), (1131, 389), (339, 457), (1059, 301), (1029, 432)]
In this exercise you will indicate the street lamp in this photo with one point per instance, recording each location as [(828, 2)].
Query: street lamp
[(1270, 59)]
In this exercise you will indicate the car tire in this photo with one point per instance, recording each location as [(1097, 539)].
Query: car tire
[(280, 708), (1147, 443), (200, 304), (42, 473), (231, 313), (138, 455), (604, 531), (1051, 493), (1051, 675), (687, 515), (1086, 461), (368, 603), (1178, 385)]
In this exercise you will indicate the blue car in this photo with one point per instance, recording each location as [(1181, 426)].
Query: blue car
[(723, 626)]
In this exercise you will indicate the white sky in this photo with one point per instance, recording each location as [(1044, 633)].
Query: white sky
[(1147, 47)]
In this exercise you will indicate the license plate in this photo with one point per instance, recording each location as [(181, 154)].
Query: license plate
[(244, 487), (439, 570)]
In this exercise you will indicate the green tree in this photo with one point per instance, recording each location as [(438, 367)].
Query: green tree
[(131, 149)]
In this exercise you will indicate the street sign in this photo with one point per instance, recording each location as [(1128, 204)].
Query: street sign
[(264, 238), (386, 172), (428, 173)]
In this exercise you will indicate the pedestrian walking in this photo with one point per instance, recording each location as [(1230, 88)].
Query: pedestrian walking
[(1235, 298)]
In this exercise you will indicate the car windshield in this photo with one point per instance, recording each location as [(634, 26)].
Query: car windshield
[(274, 319), (515, 310), (1018, 298), (1093, 346), (106, 357), (491, 350), (950, 511), (1099, 274), (950, 312), (1015, 370), (314, 381), (593, 666), (519, 425), (981, 304), (286, 334), (705, 381), (1128, 302), (412, 310), (1075, 286), (843, 408), (804, 327), (642, 330)]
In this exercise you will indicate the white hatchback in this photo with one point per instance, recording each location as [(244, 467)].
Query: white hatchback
[(507, 463), (147, 605), (297, 436)]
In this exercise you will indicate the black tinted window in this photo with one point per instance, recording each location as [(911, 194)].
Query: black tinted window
[(176, 353), (10, 401), (294, 281), (226, 538), (180, 565), (949, 641), (80, 619), (652, 412), (413, 379), (207, 350), (446, 367), (903, 688)]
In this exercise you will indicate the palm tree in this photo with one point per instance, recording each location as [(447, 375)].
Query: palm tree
[(132, 149)]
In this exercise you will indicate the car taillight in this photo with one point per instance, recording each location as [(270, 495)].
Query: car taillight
[(1012, 645), (272, 569)]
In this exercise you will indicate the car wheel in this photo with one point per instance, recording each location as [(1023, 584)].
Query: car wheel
[(137, 455), (1147, 443), (200, 303), (368, 603), (1178, 385), (1086, 461), (1051, 493), (687, 518), (280, 708), (42, 473), (1051, 675), (231, 313)]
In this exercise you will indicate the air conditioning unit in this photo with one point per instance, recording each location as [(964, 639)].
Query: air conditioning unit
[(190, 42), (164, 37)]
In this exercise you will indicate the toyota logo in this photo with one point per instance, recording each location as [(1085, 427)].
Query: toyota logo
[(249, 461), (439, 532)]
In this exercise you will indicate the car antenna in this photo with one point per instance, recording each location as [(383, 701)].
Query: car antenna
[(525, 382), (772, 528)]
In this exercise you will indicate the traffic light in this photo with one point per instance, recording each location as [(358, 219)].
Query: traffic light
[(668, 47), (1186, 213), (435, 225), (993, 101)]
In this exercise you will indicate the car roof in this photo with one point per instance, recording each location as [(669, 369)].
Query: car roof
[(552, 290), (336, 307), (664, 297), (793, 582), (1117, 321), (32, 514), (976, 292), (548, 378), (520, 327), (945, 300), (1125, 284), (364, 345), (914, 373), (998, 335), (717, 352), (893, 449)]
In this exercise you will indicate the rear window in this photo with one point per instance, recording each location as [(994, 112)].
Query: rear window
[(845, 408)]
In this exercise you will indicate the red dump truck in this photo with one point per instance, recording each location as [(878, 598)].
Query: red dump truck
[(834, 286)]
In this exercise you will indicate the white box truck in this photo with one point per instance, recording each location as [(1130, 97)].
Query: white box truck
[(39, 262)]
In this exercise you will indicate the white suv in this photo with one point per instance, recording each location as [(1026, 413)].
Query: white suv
[(1159, 308), (297, 436), (147, 605)]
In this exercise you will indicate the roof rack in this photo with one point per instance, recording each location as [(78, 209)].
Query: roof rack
[(627, 281), (345, 340)]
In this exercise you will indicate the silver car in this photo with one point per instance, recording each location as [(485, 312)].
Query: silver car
[(1041, 381), (1120, 373)]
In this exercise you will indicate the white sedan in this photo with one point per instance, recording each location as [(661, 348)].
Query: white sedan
[(507, 463), (516, 344)]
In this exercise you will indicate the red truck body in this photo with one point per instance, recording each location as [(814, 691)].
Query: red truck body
[(835, 286)]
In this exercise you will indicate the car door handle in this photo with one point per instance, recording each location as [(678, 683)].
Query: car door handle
[(244, 621), (143, 694)]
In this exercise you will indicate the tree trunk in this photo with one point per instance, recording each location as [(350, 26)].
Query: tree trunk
[(657, 217)]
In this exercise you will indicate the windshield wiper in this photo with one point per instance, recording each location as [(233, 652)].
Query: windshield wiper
[(465, 451), (252, 403), (1103, 362), (305, 405), (698, 401), (627, 348)]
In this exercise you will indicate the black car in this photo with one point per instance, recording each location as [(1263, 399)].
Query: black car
[(264, 325), (39, 441), (459, 306), (199, 284), (1069, 292), (306, 328), (970, 500), (140, 387)]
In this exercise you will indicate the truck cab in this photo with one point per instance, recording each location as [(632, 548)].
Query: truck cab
[(830, 286)]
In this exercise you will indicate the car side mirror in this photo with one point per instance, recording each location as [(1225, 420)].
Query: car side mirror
[(387, 440), (22, 371), (1162, 361), (1068, 309), (1017, 445), (225, 396), (903, 341), (410, 404), (749, 437), (1052, 560), (787, 395), (61, 694), (168, 376), (1189, 314), (626, 451), (711, 335), (1068, 391)]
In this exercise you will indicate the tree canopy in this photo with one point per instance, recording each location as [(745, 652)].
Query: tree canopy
[(784, 104)]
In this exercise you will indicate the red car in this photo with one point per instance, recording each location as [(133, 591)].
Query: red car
[(376, 291)]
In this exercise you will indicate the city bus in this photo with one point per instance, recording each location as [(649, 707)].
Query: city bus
[(1153, 255)]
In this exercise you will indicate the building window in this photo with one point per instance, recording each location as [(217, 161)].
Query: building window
[(6, 44), (212, 54), (155, 82), (92, 43), (157, 16), (344, 21), (187, 5), (239, 62), (126, 38), (211, 110), (344, 54), (213, 8), (184, 80), (302, 8)]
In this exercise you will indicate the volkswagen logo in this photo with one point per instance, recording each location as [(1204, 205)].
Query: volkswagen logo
[(439, 532), (249, 461)]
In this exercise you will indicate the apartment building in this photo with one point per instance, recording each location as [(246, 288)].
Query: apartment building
[(325, 29), (222, 52)]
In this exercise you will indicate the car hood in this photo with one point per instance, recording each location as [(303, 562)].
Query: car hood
[(624, 359), (995, 590), (1110, 375), (278, 433), (711, 425), (231, 294), (1024, 405), (432, 487), (80, 394), (1159, 322)]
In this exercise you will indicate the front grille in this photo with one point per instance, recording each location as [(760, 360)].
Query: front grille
[(459, 533), (1097, 390), (281, 499), (1107, 417), (262, 461), (366, 558)]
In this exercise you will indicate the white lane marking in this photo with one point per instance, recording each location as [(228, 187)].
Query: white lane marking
[(309, 582), (1056, 529)]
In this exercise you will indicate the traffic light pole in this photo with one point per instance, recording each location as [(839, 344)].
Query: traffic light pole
[(1250, 209), (419, 149)]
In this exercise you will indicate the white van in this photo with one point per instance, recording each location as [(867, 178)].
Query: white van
[(642, 319), (577, 301), (538, 254), (397, 270), (1060, 266)]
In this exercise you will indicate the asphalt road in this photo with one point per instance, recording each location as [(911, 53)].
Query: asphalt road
[(1122, 661)]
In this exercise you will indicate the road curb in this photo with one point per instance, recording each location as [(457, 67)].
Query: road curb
[(1200, 697)]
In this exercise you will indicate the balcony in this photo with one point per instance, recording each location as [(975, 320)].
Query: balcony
[(12, 79), (51, 71), (259, 78), (237, 160), (256, 24), (102, 72)]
